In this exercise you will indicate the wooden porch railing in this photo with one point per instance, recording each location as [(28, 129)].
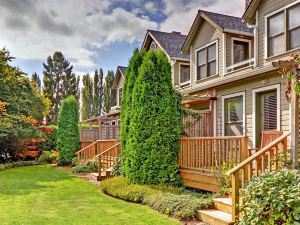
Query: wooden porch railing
[(92, 150), (108, 158), (265, 160), (206, 154)]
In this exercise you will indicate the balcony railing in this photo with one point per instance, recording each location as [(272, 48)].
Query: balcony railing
[(240, 65)]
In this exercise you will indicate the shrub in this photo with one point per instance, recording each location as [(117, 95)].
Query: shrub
[(117, 168), (68, 131), (89, 167), (153, 138), (272, 198), (224, 180), (51, 139), (45, 157), (172, 201)]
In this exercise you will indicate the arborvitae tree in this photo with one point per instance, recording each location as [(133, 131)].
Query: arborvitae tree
[(59, 82), (153, 141), (109, 95), (68, 130), (98, 92), (36, 81), (130, 78), (87, 97)]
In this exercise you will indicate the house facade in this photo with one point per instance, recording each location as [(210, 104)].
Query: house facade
[(232, 61)]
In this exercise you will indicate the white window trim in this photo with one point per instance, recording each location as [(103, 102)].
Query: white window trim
[(224, 97), (186, 82), (266, 50), (241, 40), (118, 96), (217, 59), (261, 90)]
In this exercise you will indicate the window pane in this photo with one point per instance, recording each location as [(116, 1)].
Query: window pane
[(212, 68), (120, 96), (211, 52), (276, 25), (234, 109), (294, 39), (276, 45), (234, 129), (184, 73), (294, 16), (201, 73), (201, 57), (240, 51)]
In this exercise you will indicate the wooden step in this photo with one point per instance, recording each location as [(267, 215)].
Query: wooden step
[(96, 177), (223, 204), (215, 217)]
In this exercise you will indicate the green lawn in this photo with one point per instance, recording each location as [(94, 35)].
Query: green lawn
[(44, 195)]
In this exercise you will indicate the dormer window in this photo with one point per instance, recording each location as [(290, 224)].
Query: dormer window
[(153, 46), (206, 58), (184, 71), (283, 30), (241, 50)]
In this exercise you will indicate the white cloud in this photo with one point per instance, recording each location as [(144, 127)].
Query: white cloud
[(180, 15), (35, 29)]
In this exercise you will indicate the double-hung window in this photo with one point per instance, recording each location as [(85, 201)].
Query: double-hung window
[(240, 51), (207, 61), (283, 30), (184, 71)]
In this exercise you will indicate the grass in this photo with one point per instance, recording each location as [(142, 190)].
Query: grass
[(46, 195)]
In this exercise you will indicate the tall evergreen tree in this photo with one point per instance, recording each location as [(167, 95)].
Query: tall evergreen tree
[(109, 97), (130, 78), (98, 92), (152, 144), (59, 82), (35, 79), (87, 97)]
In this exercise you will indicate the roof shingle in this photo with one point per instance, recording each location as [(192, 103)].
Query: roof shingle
[(170, 42)]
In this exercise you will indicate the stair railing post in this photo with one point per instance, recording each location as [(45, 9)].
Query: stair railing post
[(235, 195)]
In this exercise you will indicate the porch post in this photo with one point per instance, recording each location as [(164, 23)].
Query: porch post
[(294, 128)]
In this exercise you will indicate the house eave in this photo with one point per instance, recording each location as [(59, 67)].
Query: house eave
[(249, 14), (239, 32)]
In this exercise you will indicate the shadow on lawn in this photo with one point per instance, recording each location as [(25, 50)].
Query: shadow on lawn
[(26, 180)]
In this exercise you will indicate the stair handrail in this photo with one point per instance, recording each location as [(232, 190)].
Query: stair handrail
[(258, 154), (86, 147), (109, 159), (246, 167)]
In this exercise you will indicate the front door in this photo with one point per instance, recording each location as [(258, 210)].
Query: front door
[(266, 115)]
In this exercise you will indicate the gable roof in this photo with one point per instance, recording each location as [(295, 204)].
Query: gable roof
[(170, 43), (121, 71), (249, 14), (226, 23)]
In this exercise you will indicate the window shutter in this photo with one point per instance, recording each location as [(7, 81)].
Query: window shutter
[(270, 112)]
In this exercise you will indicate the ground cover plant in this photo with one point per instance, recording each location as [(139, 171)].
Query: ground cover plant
[(50, 196), (173, 201)]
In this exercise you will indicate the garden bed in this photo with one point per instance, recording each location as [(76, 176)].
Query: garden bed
[(172, 201)]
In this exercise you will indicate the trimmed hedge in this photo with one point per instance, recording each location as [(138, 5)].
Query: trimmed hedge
[(20, 164), (152, 143), (68, 130), (272, 198), (89, 167), (173, 201)]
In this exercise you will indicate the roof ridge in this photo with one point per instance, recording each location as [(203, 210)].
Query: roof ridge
[(204, 11), (165, 32)]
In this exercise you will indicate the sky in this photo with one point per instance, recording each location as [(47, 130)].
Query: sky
[(93, 34)]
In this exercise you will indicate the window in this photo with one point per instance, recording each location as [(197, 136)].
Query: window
[(276, 34), (120, 96), (207, 62), (294, 27), (234, 116), (153, 45), (184, 73), (241, 51), (283, 30)]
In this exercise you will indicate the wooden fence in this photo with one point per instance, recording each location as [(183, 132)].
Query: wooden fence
[(201, 127), (105, 132)]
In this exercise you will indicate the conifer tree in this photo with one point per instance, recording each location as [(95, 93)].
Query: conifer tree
[(109, 95), (87, 97), (35, 79), (130, 78), (68, 130), (152, 142), (98, 92), (59, 82)]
